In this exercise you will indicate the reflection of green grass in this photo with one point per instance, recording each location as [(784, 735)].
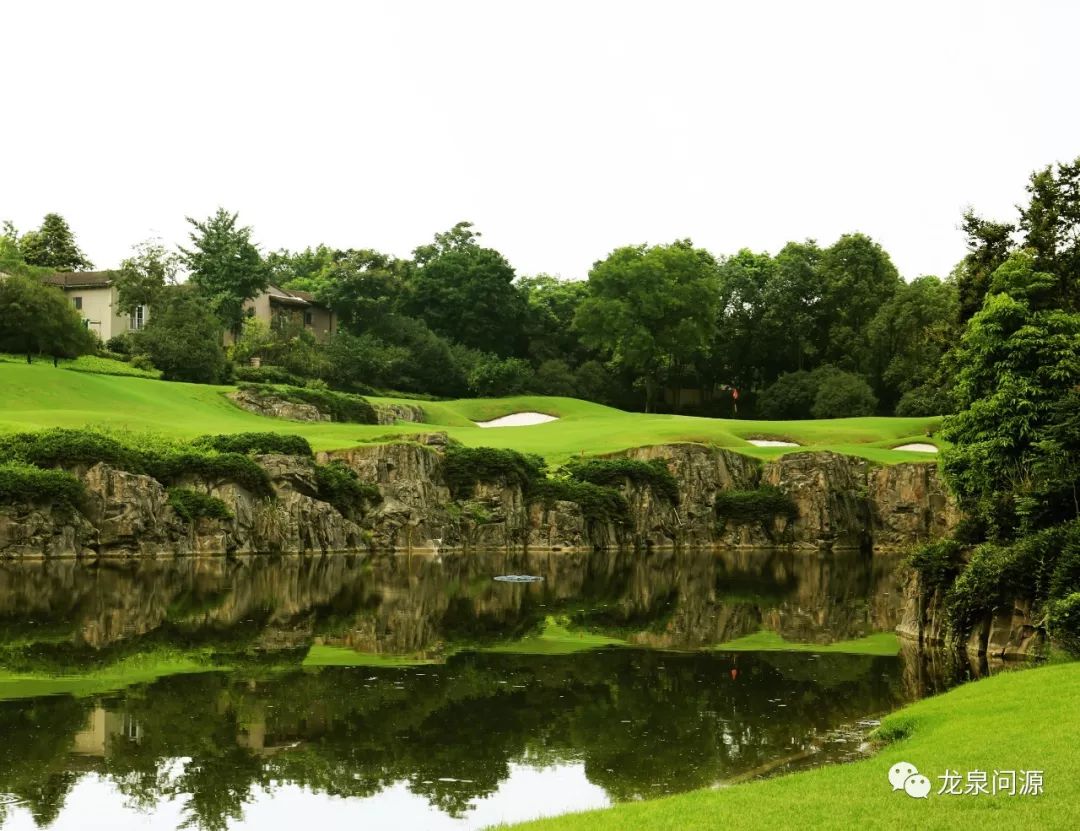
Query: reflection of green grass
[(135, 670), (879, 643), (41, 396), (321, 655), (555, 639), (1012, 721)]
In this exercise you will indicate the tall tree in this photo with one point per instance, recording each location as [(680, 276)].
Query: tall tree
[(651, 310), (364, 288), (857, 279), (551, 304), (909, 335), (53, 246), (225, 265), (1018, 359), (37, 319), (145, 274), (989, 244), (466, 293), (743, 346), (1051, 226)]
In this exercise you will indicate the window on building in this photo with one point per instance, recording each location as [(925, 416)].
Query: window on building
[(138, 317), (308, 318), (77, 303)]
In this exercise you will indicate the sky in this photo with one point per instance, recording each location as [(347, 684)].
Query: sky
[(561, 129)]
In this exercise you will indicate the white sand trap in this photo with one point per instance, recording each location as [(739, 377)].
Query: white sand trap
[(918, 447), (518, 420), (772, 443)]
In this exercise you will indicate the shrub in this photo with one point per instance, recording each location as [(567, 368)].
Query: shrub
[(938, 563), (341, 487), (843, 395), (61, 447), (143, 362), (654, 474), (23, 483), (120, 344), (929, 399), (216, 467), (340, 406), (284, 443), (192, 505), (266, 374), (1063, 622), (789, 396), (760, 505), (464, 467), (598, 503)]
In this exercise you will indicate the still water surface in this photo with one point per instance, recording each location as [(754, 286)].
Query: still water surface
[(420, 693)]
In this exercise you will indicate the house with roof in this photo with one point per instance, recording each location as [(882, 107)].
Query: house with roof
[(282, 308), (94, 296)]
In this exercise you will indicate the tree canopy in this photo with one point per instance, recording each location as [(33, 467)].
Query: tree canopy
[(53, 246), (38, 319)]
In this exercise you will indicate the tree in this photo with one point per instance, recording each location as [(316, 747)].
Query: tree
[(551, 304), (743, 346), (1051, 226), (1018, 358), (466, 293), (909, 335), (789, 397), (145, 274), (362, 287), (226, 267), (857, 277), (651, 310), (989, 244), (53, 246), (183, 338), (37, 319)]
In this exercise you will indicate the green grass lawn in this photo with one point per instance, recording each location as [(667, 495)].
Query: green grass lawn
[(40, 395), (878, 643), (1028, 720)]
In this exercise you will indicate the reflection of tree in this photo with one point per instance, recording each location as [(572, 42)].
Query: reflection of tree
[(34, 753), (644, 723)]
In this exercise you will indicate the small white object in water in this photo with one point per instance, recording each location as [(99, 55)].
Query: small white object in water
[(518, 420), (518, 578), (772, 443), (918, 447)]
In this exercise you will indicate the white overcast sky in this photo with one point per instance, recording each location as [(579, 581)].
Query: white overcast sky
[(562, 129)]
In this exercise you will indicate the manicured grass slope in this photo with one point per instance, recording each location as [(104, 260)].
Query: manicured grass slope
[(1027, 720), (39, 395)]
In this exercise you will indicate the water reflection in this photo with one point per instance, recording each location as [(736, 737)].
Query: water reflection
[(241, 716)]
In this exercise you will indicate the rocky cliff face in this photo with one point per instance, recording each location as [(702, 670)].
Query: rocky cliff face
[(840, 502), (1010, 632)]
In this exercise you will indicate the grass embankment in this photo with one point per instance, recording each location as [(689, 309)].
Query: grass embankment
[(1027, 720), (39, 395)]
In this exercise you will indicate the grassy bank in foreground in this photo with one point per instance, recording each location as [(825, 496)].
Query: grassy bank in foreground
[(1027, 720), (40, 395)]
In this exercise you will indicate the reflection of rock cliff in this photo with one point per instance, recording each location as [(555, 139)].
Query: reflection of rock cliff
[(426, 606), (839, 501)]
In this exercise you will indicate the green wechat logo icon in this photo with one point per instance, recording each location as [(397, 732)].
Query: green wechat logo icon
[(903, 776)]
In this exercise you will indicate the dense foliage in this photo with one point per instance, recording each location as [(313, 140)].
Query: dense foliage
[(284, 443), (763, 505), (654, 474), (183, 338), (37, 319), (193, 505), (465, 467), (341, 487), (598, 503), (22, 483)]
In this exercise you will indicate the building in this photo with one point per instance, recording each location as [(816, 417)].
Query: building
[(94, 296), (282, 308)]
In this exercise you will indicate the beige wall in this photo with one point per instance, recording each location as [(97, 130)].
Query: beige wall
[(99, 306)]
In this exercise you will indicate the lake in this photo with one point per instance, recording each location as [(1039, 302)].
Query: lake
[(418, 692)]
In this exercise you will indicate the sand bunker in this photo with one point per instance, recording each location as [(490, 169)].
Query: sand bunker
[(772, 443), (918, 447), (517, 420)]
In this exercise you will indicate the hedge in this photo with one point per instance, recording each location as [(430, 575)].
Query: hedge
[(219, 467), (761, 505), (654, 474), (59, 447), (341, 487), (192, 505), (464, 467), (597, 502), (284, 443), (21, 483)]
